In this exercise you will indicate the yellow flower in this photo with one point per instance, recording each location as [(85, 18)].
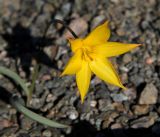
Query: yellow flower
[(90, 55)]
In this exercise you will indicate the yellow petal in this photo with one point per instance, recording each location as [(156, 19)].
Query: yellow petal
[(110, 49), (98, 36), (75, 44), (105, 71), (74, 64), (83, 78)]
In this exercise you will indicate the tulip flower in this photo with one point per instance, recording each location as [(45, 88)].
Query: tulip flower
[(90, 56)]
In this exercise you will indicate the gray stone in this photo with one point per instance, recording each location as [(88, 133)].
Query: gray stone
[(119, 97), (73, 114), (47, 133), (105, 104), (97, 20), (149, 95), (78, 25), (140, 109), (127, 58), (144, 122)]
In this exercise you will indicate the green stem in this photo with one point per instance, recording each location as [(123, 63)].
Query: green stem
[(34, 77)]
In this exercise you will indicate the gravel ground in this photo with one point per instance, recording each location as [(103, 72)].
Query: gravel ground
[(107, 110)]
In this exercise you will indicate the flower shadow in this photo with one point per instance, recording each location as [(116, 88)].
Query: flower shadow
[(22, 45)]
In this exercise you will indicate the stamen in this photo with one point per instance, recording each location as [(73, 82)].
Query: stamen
[(86, 54)]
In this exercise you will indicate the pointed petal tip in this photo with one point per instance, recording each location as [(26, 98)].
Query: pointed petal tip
[(65, 74), (82, 100), (62, 74), (82, 97), (106, 23), (137, 45), (124, 88)]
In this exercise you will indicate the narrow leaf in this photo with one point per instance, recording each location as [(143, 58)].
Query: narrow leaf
[(16, 102), (16, 78)]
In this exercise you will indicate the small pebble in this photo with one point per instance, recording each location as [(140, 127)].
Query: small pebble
[(131, 93), (149, 61), (3, 55), (93, 103), (144, 122), (46, 77), (78, 25), (36, 103), (116, 126), (119, 97), (4, 123), (97, 21), (149, 95), (127, 58), (73, 114), (47, 133), (109, 118), (50, 98), (124, 69), (26, 123), (140, 109), (118, 107)]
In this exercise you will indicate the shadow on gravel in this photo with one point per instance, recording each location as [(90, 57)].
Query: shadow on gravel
[(22, 45), (85, 129), (5, 95)]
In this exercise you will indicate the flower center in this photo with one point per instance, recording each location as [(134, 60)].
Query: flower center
[(86, 54)]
